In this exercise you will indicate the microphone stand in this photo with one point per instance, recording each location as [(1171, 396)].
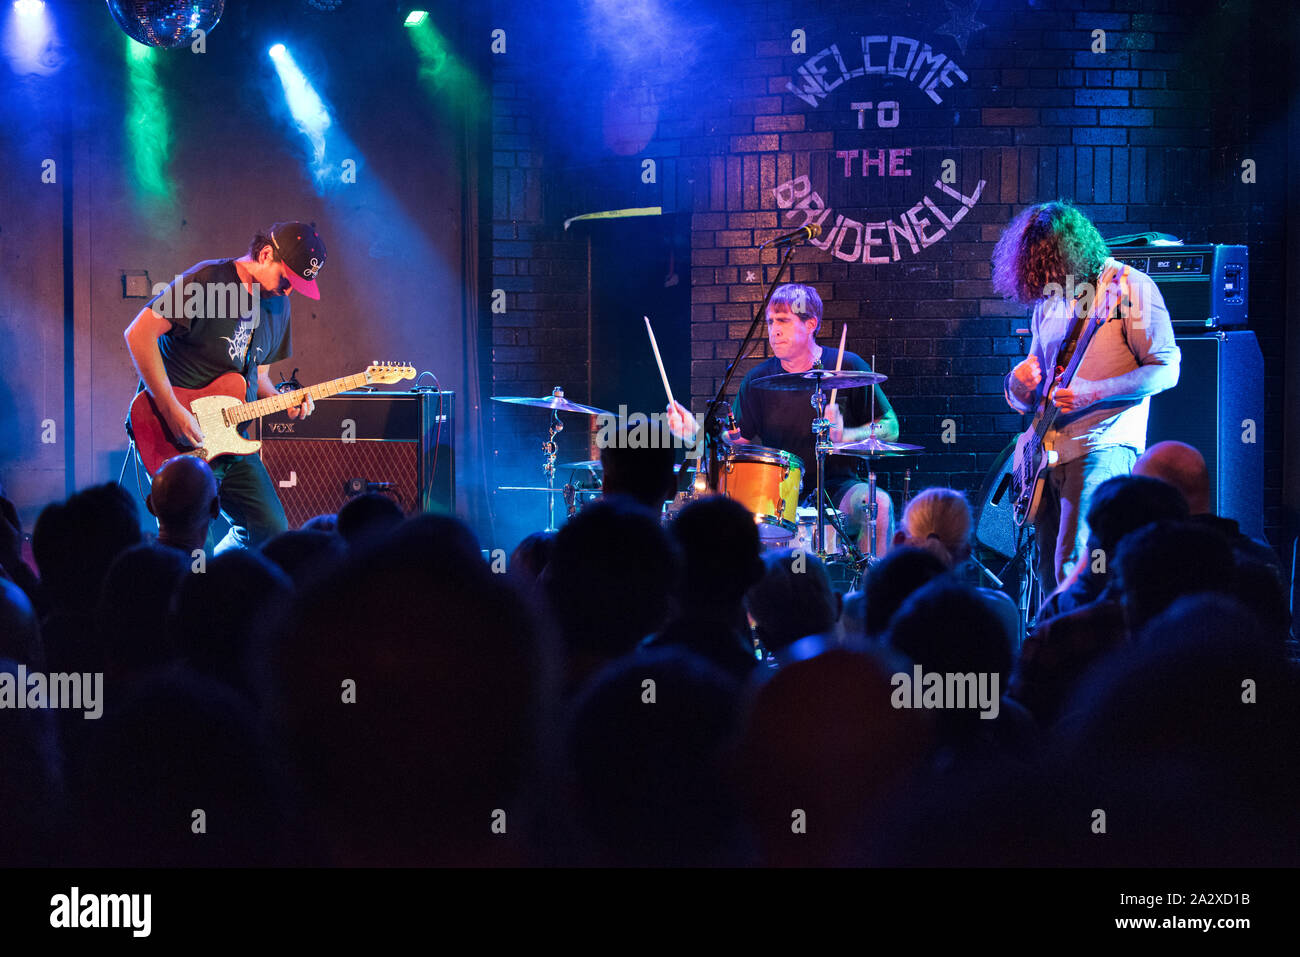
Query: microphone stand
[(712, 427)]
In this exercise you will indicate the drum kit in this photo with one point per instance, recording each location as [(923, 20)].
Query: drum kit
[(766, 481)]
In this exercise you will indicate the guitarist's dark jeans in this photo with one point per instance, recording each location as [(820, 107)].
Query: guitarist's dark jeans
[(249, 502), (1061, 526)]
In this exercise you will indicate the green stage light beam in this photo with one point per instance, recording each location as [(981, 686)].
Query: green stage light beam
[(443, 75), (148, 126)]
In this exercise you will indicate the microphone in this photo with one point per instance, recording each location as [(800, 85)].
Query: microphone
[(802, 234)]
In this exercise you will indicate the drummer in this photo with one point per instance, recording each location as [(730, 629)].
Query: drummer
[(783, 420)]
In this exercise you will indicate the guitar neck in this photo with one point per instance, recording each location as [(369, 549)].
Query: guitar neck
[(286, 400), (1090, 324)]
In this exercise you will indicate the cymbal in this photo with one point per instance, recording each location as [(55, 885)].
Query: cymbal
[(828, 378), (557, 403), (875, 446)]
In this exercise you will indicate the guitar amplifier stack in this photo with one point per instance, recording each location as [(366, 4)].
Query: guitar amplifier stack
[(399, 444), (1204, 287)]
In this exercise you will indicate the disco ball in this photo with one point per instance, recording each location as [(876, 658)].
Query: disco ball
[(165, 23)]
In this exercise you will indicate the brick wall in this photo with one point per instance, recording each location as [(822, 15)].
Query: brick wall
[(1149, 135)]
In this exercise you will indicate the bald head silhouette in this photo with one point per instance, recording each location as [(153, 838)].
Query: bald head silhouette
[(1182, 467), (184, 500)]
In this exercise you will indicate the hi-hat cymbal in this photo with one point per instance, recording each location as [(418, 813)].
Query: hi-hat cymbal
[(875, 446), (556, 402), (828, 379)]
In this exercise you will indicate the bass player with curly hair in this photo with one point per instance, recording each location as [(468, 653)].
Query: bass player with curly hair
[(1090, 409)]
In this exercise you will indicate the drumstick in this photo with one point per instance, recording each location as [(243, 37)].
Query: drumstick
[(663, 375), (844, 334)]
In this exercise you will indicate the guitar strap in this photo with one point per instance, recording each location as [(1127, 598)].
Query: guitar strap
[(1066, 349), (1065, 352)]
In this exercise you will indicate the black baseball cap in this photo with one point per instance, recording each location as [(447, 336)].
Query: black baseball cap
[(299, 246)]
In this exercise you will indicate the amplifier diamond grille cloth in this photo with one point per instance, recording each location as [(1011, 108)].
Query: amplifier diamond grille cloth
[(318, 470)]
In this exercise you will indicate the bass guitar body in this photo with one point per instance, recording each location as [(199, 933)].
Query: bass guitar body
[(154, 439), (1029, 464)]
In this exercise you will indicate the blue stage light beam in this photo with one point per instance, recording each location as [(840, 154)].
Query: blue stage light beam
[(309, 112)]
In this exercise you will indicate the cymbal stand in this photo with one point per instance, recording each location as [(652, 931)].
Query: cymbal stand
[(549, 448), (871, 507), (821, 429), (871, 473)]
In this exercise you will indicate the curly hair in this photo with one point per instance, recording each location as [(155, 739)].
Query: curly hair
[(1045, 244)]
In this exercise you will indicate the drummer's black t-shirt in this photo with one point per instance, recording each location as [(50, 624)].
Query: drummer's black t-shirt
[(783, 420)]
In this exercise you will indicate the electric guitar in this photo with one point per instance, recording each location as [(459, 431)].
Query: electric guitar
[(220, 409), (1034, 453)]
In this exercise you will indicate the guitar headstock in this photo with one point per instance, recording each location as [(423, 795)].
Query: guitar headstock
[(388, 372)]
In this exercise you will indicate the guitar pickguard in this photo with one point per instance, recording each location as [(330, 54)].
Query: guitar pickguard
[(219, 437)]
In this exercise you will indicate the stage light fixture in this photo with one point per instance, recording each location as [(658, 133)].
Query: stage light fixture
[(29, 41), (276, 51), (416, 17)]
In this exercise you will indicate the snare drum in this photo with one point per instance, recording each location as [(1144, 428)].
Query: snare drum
[(767, 482), (807, 531)]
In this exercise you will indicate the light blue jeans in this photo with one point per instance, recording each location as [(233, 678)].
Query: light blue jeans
[(1061, 525)]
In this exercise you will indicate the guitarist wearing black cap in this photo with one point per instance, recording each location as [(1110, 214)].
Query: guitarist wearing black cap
[(221, 316)]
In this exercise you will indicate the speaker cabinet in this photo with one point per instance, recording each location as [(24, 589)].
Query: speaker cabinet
[(1220, 393), (398, 444)]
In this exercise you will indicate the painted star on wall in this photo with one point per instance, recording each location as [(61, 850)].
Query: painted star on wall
[(962, 24)]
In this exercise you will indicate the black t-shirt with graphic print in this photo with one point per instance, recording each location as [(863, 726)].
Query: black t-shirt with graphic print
[(215, 328), (783, 420)]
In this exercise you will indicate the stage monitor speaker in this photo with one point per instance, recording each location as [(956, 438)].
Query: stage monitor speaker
[(1218, 408), (397, 443)]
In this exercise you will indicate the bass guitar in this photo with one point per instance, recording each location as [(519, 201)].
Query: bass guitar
[(220, 409)]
